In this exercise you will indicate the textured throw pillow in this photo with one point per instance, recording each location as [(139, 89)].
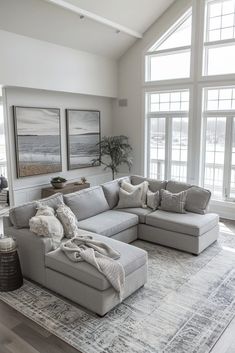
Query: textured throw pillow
[(173, 202), (43, 210), (144, 188), (68, 220), (130, 199), (47, 226), (153, 200)]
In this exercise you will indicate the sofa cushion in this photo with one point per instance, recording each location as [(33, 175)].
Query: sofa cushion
[(87, 202), (177, 186), (188, 223), (197, 199), (20, 215), (139, 211), (111, 192), (154, 185), (131, 258), (109, 223)]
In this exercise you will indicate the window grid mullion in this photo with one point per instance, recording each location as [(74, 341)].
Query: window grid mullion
[(227, 158)]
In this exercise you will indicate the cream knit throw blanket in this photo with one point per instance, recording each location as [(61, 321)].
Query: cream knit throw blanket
[(99, 255)]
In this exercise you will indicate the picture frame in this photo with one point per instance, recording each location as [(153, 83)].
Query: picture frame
[(37, 140), (83, 129)]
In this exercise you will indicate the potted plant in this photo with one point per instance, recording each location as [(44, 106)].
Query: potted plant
[(58, 182), (114, 151)]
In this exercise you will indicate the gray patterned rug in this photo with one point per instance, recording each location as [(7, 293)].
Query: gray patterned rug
[(184, 308)]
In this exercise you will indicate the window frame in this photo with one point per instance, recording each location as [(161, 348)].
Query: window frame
[(168, 116), (150, 52)]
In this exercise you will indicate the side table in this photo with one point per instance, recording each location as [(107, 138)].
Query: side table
[(10, 271)]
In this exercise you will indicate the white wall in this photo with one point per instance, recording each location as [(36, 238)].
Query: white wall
[(27, 62), (130, 120), (29, 188)]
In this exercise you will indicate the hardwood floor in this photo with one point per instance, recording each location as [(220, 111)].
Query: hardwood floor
[(21, 335)]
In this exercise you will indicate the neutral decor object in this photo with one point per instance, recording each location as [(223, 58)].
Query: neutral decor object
[(58, 182), (37, 140), (127, 186), (173, 202), (153, 199), (10, 271), (190, 232), (117, 150), (67, 189), (184, 307), (83, 136), (68, 220), (130, 199)]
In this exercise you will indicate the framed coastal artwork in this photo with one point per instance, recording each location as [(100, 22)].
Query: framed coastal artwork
[(37, 140), (83, 136)]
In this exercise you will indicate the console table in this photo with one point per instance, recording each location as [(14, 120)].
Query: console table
[(70, 187)]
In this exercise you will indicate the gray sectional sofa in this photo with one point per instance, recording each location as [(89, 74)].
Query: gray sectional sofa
[(96, 212)]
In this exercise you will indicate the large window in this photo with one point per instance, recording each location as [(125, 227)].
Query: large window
[(167, 114), (171, 51), (219, 38), (190, 100), (218, 169)]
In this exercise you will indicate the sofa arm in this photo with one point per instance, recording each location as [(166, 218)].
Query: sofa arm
[(32, 250)]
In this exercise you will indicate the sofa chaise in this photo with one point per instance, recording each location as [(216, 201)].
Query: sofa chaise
[(96, 212)]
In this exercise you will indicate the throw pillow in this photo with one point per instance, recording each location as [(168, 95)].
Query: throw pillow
[(68, 220), (153, 200), (144, 188), (43, 210), (130, 199), (173, 202), (47, 226)]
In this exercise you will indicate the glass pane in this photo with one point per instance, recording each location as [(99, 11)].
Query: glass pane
[(170, 101), (221, 99), (220, 60), (172, 66), (157, 148), (221, 20), (179, 149), (181, 37), (3, 167), (215, 129)]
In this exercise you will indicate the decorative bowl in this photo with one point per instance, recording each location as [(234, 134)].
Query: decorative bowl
[(58, 185)]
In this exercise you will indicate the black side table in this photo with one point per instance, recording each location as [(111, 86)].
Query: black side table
[(10, 272)]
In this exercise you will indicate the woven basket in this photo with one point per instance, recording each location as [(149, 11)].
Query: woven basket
[(10, 271)]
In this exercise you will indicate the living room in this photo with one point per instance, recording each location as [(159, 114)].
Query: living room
[(141, 92)]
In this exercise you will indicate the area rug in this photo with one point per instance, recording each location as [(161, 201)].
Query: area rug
[(184, 308)]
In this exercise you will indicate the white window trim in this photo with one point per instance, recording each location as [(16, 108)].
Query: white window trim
[(195, 83)]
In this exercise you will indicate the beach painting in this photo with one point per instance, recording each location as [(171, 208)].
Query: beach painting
[(37, 140), (83, 134)]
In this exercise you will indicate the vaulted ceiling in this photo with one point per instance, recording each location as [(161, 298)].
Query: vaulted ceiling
[(60, 22)]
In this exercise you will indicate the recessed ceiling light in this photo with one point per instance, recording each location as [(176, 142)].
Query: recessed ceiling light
[(82, 17), (117, 31)]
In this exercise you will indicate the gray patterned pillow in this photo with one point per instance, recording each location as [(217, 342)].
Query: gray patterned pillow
[(68, 220), (153, 200), (130, 199), (173, 202)]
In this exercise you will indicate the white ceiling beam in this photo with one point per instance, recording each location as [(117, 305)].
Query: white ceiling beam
[(95, 17)]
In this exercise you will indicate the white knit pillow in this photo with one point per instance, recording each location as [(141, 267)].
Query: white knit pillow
[(47, 226), (144, 188), (68, 219)]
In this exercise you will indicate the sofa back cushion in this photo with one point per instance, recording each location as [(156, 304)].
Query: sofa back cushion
[(197, 200), (177, 186), (154, 185), (87, 203), (20, 215)]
